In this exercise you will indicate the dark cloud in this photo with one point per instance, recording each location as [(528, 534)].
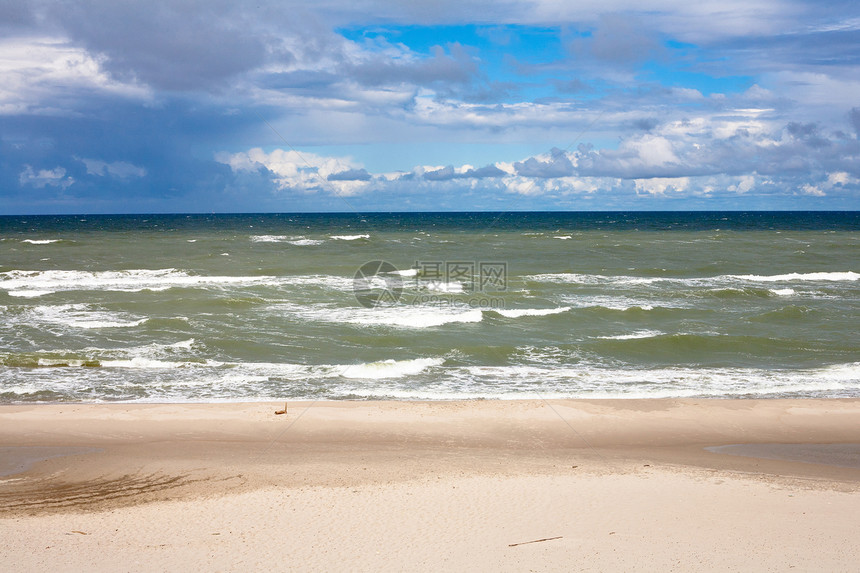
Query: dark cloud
[(854, 117), (350, 175), (619, 39), (645, 124), (189, 45), (486, 171), (559, 165), (444, 174), (454, 65), (16, 14), (449, 173), (126, 157), (808, 133), (806, 152), (301, 80)]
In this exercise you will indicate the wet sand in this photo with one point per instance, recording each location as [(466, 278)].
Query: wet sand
[(481, 485)]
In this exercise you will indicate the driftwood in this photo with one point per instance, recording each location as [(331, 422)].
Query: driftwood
[(535, 541), (284, 411)]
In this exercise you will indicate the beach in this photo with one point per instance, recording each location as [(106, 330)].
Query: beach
[(516, 485)]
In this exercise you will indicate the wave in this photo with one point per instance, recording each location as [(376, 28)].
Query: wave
[(41, 241), (394, 316), (440, 286), (413, 317), (31, 284), (519, 312), (349, 237), (269, 238), (146, 378), (616, 303), (596, 279), (82, 316), (390, 368), (634, 335), (299, 241), (306, 242), (819, 276), (30, 293), (407, 272)]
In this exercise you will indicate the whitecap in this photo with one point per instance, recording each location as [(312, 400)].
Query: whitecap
[(306, 242), (38, 283), (443, 286), (394, 316), (30, 293), (349, 237), (634, 335), (818, 276), (407, 272), (518, 312), (389, 368)]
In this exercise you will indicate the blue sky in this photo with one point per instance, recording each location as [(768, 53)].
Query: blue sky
[(335, 105)]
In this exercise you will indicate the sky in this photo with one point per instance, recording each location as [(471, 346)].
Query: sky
[(387, 105)]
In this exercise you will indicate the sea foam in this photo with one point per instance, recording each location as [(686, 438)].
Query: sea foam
[(389, 368)]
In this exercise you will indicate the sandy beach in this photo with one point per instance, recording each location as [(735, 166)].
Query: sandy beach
[(634, 485)]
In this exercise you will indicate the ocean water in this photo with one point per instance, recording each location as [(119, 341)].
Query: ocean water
[(175, 308)]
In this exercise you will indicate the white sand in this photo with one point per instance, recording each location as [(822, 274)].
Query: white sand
[(624, 486)]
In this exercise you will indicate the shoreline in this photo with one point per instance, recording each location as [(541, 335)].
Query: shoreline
[(352, 473)]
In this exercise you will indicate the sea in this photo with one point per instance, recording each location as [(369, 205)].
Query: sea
[(429, 306)]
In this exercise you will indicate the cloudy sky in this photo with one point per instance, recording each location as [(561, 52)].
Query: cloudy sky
[(394, 105)]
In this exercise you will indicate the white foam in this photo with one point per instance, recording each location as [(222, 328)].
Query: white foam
[(53, 362), (299, 241), (715, 281), (563, 237), (349, 237), (518, 312), (407, 272), (40, 241), (37, 283), (82, 316), (142, 362), (389, 368), (414, 317), (634, 335), (442, 286), (608, 302), (782, 291), (820, 276), (30, 293), (93, 323), (843, 372), (396, 316), (306, 242)]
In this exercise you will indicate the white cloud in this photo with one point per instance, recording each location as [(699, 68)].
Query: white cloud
[(55, 177), (662, 185), (809, 189), (299, 171), (41, 75), (119, 169)]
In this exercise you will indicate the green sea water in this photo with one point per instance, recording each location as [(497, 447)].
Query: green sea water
[(175, 308)]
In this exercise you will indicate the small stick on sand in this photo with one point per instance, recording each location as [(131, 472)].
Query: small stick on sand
[(284, 411), (535, 541)]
